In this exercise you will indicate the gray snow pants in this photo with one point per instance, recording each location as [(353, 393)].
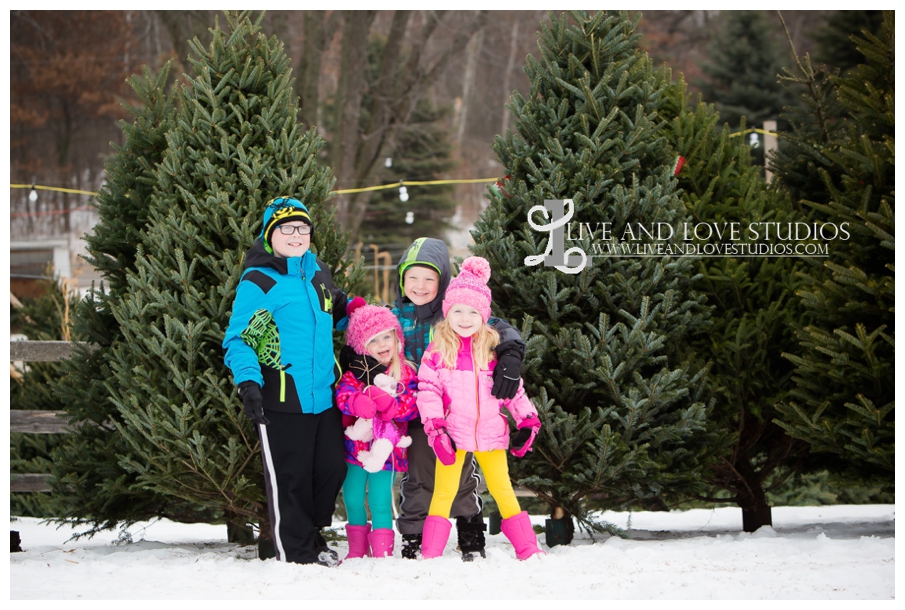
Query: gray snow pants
[(417, 487)]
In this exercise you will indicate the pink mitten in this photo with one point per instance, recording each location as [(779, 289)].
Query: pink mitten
[(362, 406), (440, 441), (524, 438), (385, 404)]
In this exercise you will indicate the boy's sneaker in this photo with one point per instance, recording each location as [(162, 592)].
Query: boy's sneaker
[(323, 550), (328, 559), (471, 537), (411, 546)]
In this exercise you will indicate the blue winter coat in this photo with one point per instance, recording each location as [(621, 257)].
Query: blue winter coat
[(280, 334)]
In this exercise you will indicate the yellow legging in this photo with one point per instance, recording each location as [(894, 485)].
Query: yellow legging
[(496, 473)]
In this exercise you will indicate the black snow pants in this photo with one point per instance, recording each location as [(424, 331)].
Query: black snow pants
[(304, 469)]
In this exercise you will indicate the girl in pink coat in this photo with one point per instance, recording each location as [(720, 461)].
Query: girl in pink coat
[(377, 397), (461, 415)]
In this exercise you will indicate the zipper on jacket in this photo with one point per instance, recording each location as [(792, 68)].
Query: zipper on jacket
[(477, 399), (282, 385)]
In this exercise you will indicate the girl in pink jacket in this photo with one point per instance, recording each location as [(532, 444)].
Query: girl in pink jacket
[(377, 397), (461, 415)]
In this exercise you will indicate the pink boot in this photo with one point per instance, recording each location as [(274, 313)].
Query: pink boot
[(381, 541), (434, 537), (358, 541), (518, 530)]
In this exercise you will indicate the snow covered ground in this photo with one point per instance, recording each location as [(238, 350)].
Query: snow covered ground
[(812, 553)]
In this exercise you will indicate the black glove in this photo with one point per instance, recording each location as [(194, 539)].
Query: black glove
[(507, 374), (253, 401), (521, 437)]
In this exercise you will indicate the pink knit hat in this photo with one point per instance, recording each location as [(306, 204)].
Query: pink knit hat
[(470, 287), (369, 320)]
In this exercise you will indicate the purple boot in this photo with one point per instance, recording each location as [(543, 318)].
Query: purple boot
[(358, 541), (381, 541), (518, 530), (434, 537)]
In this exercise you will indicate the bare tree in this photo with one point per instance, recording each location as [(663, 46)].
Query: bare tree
[(183, 26), (418, 47)]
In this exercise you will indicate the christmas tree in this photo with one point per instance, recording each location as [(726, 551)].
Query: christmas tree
[(234, 144), (423, 153), (834, 39), (743, 65), (844, 402), (90, 485), (814, 119), (753, 309), (606, 359)]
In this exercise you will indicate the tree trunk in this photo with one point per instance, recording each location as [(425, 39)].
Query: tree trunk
[(471, 59), (507, 76), (393, 112), (318, 30), (183, 26), (756, 516), (751, 497), (265, 534), (238, 531), (352, 74)]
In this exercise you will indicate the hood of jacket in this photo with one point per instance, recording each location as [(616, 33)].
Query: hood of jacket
[(258, 256), (431, 253)]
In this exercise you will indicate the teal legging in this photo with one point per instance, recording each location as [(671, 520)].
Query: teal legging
[(379, 487)]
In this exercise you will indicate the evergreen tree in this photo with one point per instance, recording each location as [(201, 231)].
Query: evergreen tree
[(422, 152), (814, 119), (90, 484), (844, 402), (754, 307), (183, 202), (834, 40), (604, 363), (236, 143), (744, 62)]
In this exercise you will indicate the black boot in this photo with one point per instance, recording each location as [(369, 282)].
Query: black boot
[(471, 536), (411, 546)]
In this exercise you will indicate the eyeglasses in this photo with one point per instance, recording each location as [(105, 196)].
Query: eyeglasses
[(291, 229)]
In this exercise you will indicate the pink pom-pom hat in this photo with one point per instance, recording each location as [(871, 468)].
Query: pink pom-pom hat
[(367, 321), (470, 287)]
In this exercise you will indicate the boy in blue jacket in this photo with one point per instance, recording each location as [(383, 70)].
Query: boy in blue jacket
[(279, 347)]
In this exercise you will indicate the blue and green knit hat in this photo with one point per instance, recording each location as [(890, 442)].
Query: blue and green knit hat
[(280, 210)]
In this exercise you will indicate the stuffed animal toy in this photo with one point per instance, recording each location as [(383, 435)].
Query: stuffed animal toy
[(384, 435)]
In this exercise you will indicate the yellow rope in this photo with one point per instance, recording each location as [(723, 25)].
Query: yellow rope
[(38, 187), (340, 192), (754, 129), (413, 183)]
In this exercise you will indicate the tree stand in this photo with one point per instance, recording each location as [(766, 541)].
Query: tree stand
[(559, 529)]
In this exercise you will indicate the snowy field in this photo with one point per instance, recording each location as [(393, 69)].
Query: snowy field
[(813, 553)]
